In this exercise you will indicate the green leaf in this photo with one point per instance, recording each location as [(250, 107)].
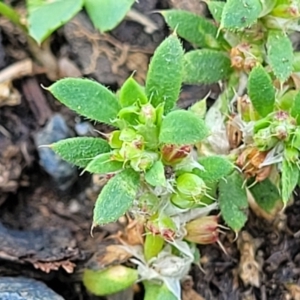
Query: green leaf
[(295, 111), (216, 9), (195, 29), (266, 195), (215, 168), (233, 201), (153, 245), (164, 77), (182, 128), (131, 92), (206, 66), (107, 14), (116, 197), (261, 91), (109, 281), (155, 291), (280, 54), (44, 17), (102, 164), (80, 150), (239, 14), (88, 98), (289, 180), (156, 174)]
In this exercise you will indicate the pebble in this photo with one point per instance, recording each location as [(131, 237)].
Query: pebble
[(63, 173)]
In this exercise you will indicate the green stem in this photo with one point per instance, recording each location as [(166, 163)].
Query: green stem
[(12, 15)]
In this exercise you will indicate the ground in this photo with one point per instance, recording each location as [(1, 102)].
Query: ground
[(45, 220)]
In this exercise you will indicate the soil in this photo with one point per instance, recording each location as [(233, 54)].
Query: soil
[(45, 226)]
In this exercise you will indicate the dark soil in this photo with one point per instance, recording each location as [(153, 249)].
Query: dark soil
[(45, 231)]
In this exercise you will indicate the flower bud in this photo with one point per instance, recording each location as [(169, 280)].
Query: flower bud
[(245, 109), (283, 125), (114, 139), (147, 114), (144, 161), (172, 154), (291, 154), (127, 134), (162, 225), (191, 186), (264, 139), (296, 138), (286, 11), (181, 202), (203, 230)]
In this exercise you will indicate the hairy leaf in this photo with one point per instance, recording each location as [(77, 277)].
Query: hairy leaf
[(182, 128), (88, 98), (295, 111), (216, 9), (44, 17), (206, 66), (280, 54), (102, 164), (116, 197), (131, 92), (289, 180), (164, 77), (156, 174), (107, 14), (233, 201), (80, 150), (215, 168), (239, 14), (266, 195), (195, 29), (261, 91)]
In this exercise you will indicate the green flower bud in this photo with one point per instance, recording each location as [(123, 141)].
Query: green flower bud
[(147, 114), (181, 202), (245, 109), (114, 139), (203, 230), (191, 186), (283, 125), (144, 161), (264, 139), (127, 134), (286, 11), (291, 154), (296, 138)]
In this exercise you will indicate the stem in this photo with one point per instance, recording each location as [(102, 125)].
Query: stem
[(12, 15)]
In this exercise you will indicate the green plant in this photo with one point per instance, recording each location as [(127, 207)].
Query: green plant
[(45, 16), (172, 167)]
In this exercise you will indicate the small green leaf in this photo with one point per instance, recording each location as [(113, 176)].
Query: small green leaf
[(195, 29), (206, 66), (107, 14), (44, 17), (88, 98), (80, 150), (153, 245), (182, 127), (216, 9), (266, 195), (116, 197), (233, 201), (261, 91), (131, 92), (280, 54), (239, 14), (215, 168), (109, 281), (164, 77), (295, 111), (289, 180), (155, 291), (102, 164), (156, 174)]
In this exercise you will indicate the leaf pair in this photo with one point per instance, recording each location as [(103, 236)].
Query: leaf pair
[(44, 17)]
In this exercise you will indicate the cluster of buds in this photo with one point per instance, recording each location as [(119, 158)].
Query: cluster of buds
[(244, 57), (190, 190), (250, 161), (279, 126), (163, 226), (203, 230)]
